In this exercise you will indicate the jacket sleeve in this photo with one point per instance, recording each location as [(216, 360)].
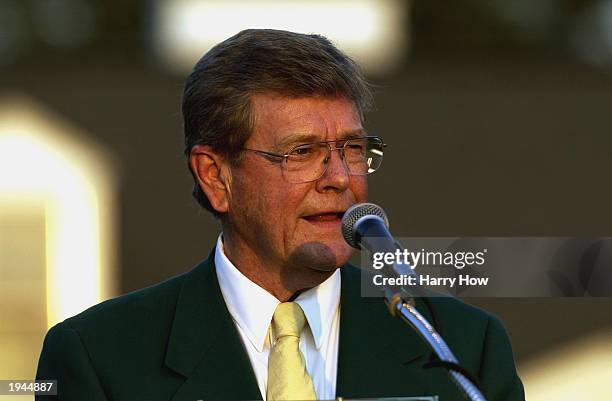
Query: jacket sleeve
[(64, 358), (498, 376)]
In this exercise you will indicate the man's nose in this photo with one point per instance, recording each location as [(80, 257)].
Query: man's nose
[(336, 176)]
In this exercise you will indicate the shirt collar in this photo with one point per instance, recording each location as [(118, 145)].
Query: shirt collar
[(252, 307)]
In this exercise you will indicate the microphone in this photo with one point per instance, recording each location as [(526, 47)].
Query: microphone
[(364, 220), (366, 226)]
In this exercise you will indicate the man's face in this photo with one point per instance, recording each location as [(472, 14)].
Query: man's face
[(287, 224)]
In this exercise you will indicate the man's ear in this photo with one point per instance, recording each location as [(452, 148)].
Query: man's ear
[(213, 176)]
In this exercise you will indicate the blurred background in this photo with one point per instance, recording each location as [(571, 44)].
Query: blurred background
[(497, 114)]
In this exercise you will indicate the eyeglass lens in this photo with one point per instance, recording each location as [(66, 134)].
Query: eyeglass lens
[(308, 162)]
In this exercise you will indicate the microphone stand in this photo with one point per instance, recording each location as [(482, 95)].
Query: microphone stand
[(401, 305)]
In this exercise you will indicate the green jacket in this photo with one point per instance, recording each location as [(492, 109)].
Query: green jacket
[(177, 341)]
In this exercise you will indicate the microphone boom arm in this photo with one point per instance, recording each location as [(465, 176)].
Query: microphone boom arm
[(405, 310)]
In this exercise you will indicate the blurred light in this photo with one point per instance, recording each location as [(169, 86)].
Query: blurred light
[(373, 32), (579, 371), (65, 23), (23, 294), (42, 158)]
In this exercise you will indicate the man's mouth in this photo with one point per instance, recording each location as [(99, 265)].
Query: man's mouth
[(324, 217)]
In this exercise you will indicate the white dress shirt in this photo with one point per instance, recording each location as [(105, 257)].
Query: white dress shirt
[(252, 307)]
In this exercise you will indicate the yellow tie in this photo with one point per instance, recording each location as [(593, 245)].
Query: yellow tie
[(288, 378)]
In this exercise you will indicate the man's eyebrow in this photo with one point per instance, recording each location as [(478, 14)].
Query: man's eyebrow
[(297, 138), (309, 138), (356, 133)]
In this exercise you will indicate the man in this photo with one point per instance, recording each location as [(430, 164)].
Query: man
[(275, 141)]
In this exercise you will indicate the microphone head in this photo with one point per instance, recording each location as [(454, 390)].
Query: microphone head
[(353, 214)]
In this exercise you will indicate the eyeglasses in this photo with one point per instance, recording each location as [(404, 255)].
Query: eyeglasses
[(308, 162)]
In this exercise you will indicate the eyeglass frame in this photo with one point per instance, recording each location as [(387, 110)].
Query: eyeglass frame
[(285, 156)]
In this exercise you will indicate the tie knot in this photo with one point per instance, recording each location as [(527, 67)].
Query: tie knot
[(288, 320)]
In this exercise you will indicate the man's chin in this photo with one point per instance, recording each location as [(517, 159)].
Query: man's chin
[(319, 256)]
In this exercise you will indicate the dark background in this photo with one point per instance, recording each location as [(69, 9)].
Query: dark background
[(498, 124)]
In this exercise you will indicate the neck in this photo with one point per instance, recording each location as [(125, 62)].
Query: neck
[(281, 280)]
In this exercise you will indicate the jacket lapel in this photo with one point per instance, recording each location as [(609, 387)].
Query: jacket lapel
[(204, 344), (379, 355)]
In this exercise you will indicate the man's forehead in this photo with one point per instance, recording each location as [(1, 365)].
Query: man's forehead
[(280, 116)]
